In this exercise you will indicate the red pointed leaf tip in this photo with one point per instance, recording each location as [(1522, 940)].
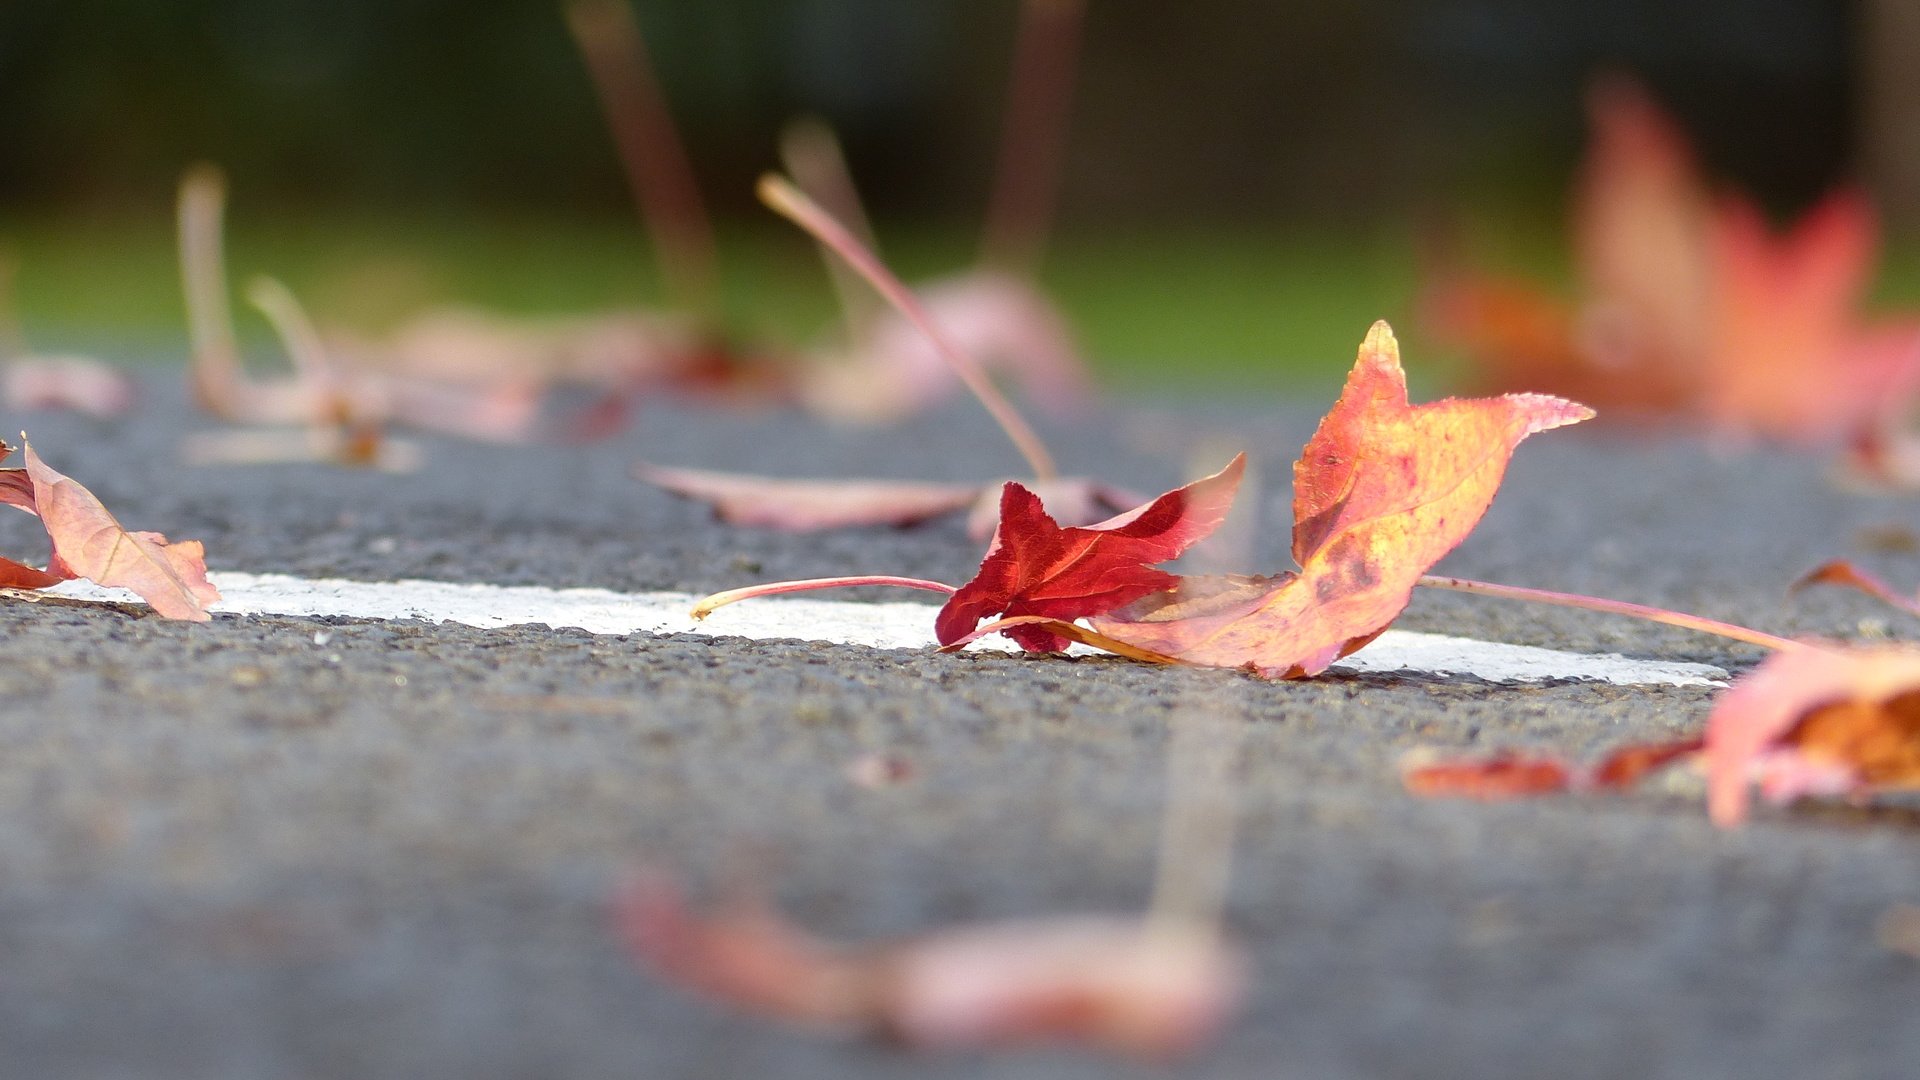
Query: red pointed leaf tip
[(1815, 721), (1036, 567), (1382, 491), (88, 542)]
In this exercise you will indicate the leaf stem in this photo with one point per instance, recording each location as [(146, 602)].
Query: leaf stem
[(811, 153), (214, 366), (791, 203), (773, 588), (1681, 619)]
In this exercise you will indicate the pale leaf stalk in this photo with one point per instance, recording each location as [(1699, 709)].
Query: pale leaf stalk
[(305, 349), (203, 274), (774, 588), (812, 156), (1697, 623), (790, 202)]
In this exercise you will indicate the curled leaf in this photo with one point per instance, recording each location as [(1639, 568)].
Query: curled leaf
[(1815, 721), (1036, 567), (89, 542), (793, 505), (808, 505)]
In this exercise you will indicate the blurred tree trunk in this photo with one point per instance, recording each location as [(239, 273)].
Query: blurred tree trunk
[(1890, 106)]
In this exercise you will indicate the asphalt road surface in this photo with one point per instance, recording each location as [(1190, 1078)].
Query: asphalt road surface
[(286, 847)]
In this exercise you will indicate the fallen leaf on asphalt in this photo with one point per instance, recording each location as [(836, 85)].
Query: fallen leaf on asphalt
[(1036, 567), (1506, 775), (1516, 775), (458, 372), (1815, 721), (878, 771), (1132, 986), (88, 542), (1809, 721), (811, 505), (808, 505), (1382, 491), (17, 575)]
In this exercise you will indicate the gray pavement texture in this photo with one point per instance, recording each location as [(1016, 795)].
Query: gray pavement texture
[(276, 847)]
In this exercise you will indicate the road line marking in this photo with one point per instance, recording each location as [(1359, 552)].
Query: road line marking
[(878, 625)]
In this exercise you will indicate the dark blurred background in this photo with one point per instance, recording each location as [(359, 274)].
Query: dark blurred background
[(1298, 134)]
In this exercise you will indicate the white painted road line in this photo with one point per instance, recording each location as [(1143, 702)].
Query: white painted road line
[(883, 626)]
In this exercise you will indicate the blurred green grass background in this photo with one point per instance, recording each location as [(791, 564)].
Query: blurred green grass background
[(1193, 309), (1237, 206)]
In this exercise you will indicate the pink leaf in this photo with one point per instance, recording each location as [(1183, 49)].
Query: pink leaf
[(88, 542)]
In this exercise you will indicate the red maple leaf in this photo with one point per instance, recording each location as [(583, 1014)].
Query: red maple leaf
[(1036, 568)]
